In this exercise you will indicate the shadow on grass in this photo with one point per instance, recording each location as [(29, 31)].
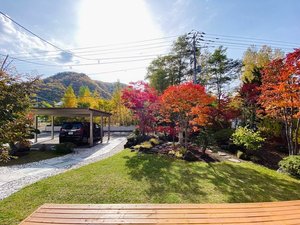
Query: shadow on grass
[(245, 184), (172, 180), (169, 179)]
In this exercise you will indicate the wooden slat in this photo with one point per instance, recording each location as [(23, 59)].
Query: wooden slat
[(268, 213), (177, 211), (174, 206)]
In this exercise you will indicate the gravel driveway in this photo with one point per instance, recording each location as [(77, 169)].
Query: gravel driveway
[(13, 178)]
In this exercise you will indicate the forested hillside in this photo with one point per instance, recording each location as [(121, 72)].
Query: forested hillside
[(53, 88)]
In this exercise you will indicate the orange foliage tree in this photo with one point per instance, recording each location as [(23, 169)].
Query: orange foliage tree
[(186, 105), (280, 95)]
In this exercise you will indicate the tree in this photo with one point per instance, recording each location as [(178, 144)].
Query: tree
[(69, 99), (121, 114), (85, 99), (222, 71), (185, 105), (174, 68), (160, 73), (142, 100), (254, 61), (280, 95), (15, 103)]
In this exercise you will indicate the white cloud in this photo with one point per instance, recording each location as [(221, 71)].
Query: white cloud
[(18, 43), (15, 41)]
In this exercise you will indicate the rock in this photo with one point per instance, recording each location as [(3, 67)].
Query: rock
[(234, 160), (222, 154), (208, 151), (190, 157)]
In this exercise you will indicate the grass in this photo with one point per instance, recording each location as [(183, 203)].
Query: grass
[(32, 156), (131, 178)]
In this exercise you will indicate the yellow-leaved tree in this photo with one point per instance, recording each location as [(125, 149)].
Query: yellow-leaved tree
[(69, 99)]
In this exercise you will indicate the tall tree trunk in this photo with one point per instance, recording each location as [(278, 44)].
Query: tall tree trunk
[(296, 136), (180, 136)]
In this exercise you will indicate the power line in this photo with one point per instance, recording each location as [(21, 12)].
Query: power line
[(39, 37), (102, 53), (114, 71), (76, 65), (56, 52), (252, 38)]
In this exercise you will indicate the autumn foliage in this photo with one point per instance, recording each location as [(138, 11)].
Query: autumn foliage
[(186, 105), (280, 95), (142, 100)]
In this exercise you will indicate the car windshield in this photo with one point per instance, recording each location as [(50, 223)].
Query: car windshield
[(71, 126)]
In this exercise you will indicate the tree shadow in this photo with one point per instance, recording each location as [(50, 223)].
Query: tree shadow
[(169, 181), (245, 184), (172, 180)]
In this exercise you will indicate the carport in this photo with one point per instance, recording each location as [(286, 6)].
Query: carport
[(72, 112)]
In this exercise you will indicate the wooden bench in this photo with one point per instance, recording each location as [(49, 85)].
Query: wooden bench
[(271, 213)]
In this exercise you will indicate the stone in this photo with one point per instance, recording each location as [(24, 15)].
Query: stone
[(234, 160), (222, 154), (190, 157)]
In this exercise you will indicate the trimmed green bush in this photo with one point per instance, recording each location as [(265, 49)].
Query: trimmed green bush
[(247, 138), (291, 164), (154, 141), (64, 148)]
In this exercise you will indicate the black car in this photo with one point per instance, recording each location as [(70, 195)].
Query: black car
[(78, 132)]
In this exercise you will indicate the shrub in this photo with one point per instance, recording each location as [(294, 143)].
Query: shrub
[(222, 136), (143, 146), (64, 148), (270, 127), (247, 138), (154, 141), (135, 139), (291, 164), (5, 156)]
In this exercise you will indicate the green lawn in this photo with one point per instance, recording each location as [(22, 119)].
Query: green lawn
[(32, 156), (131, 178)]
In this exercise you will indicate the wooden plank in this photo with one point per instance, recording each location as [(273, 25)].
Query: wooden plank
[(165, 211), (186, 206), (287, 212), (168, 221), (165, 216), (291, 222)]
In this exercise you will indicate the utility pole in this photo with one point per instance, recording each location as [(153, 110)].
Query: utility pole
[(195, 37), (195, 60)]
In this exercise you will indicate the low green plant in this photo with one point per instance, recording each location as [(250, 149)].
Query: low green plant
[(247, 138), (146, 145), (182, 150), (291, 164), (154, 141), (64, 148), (5, 156)]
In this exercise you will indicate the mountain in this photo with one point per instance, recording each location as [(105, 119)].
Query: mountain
[(53, 88)]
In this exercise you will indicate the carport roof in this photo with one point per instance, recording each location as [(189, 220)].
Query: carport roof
[(67, 112)]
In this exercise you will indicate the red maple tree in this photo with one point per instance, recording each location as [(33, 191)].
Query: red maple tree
[(185, 105), (142, 100), (280, 95)]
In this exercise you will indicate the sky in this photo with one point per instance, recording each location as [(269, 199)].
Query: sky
[(115, 40)]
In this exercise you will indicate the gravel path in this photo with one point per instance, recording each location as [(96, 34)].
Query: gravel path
[(13, 178)]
